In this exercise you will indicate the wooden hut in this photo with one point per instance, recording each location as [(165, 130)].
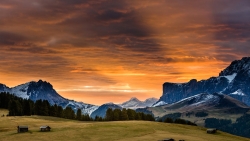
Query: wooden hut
[(21, 129), (211, 131), (45, 128)]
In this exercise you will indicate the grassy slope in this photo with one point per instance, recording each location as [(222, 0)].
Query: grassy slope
[(63, 129)]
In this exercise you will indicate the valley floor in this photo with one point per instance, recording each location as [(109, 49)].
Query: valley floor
[(63, 129)]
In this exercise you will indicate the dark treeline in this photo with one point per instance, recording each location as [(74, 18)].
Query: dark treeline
[(17, 106), (22, 107), (201, 114), (241, 127), (177, 121), (127, 114), (175, 118)]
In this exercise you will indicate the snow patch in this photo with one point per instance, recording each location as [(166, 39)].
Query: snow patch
[(238, 92), (160, 103), (230, 78), (21, 91), (201, 98), (90, 110)]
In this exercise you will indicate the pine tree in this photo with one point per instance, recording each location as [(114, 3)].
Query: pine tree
[(131, 114), (79, 114), (109, 114), (117, 115), (59, 111), (26, 108), (124, 114)]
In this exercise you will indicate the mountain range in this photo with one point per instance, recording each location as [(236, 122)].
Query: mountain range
[(45, 91), (233, 81)]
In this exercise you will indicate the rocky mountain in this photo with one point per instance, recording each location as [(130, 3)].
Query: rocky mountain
[(134, 103), (101, 111), (45, 91), (204, 107), (233, 81)]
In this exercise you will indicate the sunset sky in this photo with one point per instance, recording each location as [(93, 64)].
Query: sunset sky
[(100, 51)]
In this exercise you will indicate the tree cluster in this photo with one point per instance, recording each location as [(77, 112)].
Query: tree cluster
[(241, 127), (127, 114), (178, 121), (201, 114), (172, 116), (16, 106)]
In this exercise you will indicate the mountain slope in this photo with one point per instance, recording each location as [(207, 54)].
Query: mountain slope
[(233, 81), (45, 91), (206, 102)]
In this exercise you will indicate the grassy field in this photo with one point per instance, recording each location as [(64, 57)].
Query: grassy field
[(68, 130)]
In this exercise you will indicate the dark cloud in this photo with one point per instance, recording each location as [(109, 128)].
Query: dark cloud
[(8, 38), (31, 49), (232, 29), (110, 15)]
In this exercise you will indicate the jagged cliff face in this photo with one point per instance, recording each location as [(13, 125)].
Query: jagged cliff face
[(233, 81)]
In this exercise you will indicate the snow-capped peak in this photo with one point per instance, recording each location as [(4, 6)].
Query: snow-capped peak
[(237, 66), (134, 103), (151, 99), (134, 99)]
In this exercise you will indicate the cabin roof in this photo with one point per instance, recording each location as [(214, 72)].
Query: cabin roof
[(45, 126), (211, 129)]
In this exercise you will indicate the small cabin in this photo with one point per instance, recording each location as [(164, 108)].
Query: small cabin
[(211, 131), (45, 128), (22, 129)]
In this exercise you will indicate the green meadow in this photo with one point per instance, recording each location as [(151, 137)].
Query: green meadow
[(67, 130)]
